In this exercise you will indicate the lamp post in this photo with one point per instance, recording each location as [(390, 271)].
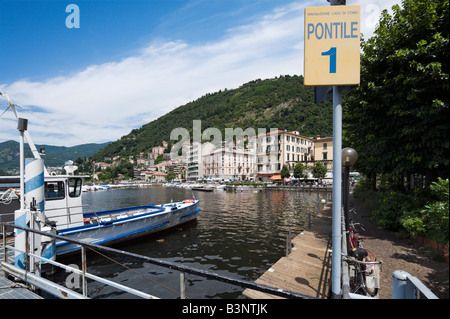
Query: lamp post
[(349, 158)]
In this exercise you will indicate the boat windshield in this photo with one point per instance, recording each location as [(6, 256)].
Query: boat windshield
[(54, 190), (75, 187)]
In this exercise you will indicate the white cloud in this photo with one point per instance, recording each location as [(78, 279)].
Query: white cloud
[(104, 102)]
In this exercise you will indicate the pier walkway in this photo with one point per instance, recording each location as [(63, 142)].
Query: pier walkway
[(307, 269), (10, 289)]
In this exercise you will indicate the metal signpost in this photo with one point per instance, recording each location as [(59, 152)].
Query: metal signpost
[(332, 58)]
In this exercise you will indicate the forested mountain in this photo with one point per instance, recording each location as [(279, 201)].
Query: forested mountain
[(282, 103), (54, 155)]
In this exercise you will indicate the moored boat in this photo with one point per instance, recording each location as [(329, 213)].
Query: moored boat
[(54, 203), (203, 188), (114, 226)]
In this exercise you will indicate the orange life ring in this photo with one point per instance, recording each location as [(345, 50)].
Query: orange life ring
[(188, 201)]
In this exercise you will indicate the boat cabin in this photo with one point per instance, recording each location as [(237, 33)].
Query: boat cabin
[(63, 200)]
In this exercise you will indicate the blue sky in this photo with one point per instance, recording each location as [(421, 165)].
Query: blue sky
[(109, 30), (133, 61)]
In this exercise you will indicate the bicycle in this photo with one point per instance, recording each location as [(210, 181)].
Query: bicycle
[(364, 268)]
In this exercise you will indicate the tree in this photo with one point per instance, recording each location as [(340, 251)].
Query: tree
[(398, 118), (131, 173), (285, 172), (319, 170), (104, 176), (299, 170), (159, 159), (170, 176)]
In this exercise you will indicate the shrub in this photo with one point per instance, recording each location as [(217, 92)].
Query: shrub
[(392, 207), (432, 220), (436, 213), (415, 225)]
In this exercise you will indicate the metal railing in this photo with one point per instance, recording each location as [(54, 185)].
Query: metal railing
[(406, 286), (68, 213), (64, 292)]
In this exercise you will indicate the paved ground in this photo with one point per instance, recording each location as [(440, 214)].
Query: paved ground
[(401, 254)]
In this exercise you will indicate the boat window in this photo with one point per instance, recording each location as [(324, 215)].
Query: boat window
[(54, 190), (75, 187)]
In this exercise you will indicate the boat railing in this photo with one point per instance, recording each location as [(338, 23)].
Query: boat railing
[(64, 292), (70, 213)]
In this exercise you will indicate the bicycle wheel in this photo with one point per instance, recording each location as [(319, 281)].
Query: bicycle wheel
[(356, 279), (370, 278)]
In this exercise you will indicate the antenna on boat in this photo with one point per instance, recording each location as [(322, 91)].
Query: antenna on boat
[(70, 168), (11, 105)]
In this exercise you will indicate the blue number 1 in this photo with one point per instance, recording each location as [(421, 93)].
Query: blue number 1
[(332, 54)]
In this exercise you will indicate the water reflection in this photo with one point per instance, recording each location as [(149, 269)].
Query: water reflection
[(239, 235)]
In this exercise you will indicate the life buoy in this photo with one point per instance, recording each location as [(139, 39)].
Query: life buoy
[(188, 201)]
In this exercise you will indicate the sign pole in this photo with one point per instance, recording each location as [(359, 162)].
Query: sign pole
[(337, 194), (336, 264), (332, 59)]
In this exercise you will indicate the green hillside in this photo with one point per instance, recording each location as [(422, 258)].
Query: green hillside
[(54, 155), (282, 103)]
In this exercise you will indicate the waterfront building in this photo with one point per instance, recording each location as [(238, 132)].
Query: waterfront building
[(194, 169), (228, 164), (261, 160), (153, 176), (323, 152), (278, 148), (178, 169)]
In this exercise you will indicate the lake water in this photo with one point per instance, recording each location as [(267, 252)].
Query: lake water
[(239, 235)]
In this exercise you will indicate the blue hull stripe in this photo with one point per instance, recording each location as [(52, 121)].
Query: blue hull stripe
[(194, 212), (129, 219), (114, 211), (108, 223)]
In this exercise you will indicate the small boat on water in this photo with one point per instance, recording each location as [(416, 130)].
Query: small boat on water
[(242, 189), (203, 188), (56, 200), (114, 226)]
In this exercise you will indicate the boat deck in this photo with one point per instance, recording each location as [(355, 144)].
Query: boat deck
[(307, 269)]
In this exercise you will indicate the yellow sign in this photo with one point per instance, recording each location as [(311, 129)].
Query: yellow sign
[(332, 45)]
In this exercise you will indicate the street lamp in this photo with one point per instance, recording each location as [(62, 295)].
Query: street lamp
[(349, 158)]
